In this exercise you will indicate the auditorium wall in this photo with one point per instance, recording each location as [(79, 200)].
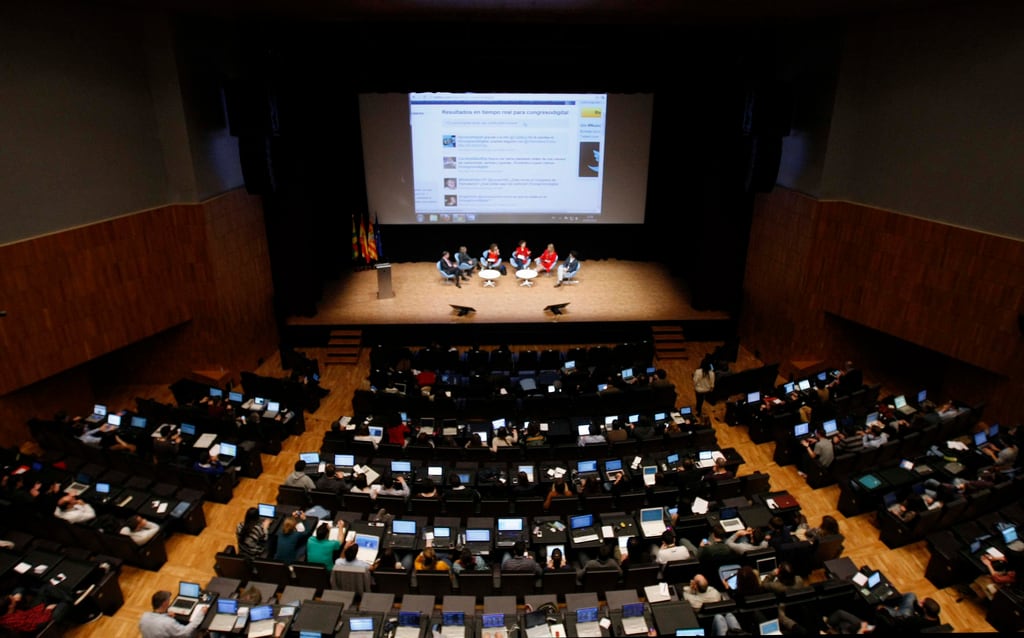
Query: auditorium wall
[(139, 299), (830, 281)]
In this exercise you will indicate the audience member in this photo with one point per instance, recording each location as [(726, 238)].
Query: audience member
[(520, 560), (333, 480), (320, 548), (698, 592), (252, 534), (910, 615), (74, 510), (139, 529), (673, 549), (783, 579), (299, 478), (161, 623), (290, 547)]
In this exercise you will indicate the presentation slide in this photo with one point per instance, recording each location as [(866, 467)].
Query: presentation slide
[(501, 158)]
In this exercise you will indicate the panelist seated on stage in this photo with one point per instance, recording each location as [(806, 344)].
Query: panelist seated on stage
[(568, 269), (491, 260), (520, 258), (547, 260), (465, 261)]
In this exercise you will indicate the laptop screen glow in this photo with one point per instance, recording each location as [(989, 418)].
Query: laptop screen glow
[(435, 470), (1010, 534), (830, 426), (228, 449), (769, 627), (583, 520), (367, 541), (456, 618), (227, 605), (753, 397), (498, 423), (686, 411), (188, 590), (980, 438), (273, 406), (478, 535), (188, 429), (138, 421), (900, 401), (401, 466), (632, 610), (586, 614), (267, 511), (311, 458), (376, 432), (805, 384), (236, 397), (360, 624), (103, 488), (649, 514), (263, 612), (403, 527), (528, 471), (491, 621), (800, 429), (874, 579), (99, 409), (583, 430), (672, 459), (216, 392), (586, 466), (613, 465), (114, 419), (344, 460), (510, 524)]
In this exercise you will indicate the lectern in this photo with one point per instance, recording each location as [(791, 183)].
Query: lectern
[(384, 282)]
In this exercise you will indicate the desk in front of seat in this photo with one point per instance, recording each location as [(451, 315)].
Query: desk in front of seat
[(672, 616)]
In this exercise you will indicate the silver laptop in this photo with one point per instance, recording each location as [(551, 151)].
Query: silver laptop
[(368, 547), (273, 409), (652, 521), (261, 621), (705, 459), (227, 615), (187, 598), (730, 520), (99, 414), (765, 567), (650, 474), (770, 628), (902, 406), (587, 625), (633, 621)]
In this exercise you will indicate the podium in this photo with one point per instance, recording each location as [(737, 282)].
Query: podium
[(384, 290)]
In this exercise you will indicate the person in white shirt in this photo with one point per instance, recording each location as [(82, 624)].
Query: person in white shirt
[(699, 592), (74, 510), (140, 530), (395, 487), (671, 551), (160, 624)]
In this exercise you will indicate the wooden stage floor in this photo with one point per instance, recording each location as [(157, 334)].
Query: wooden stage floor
[(609, 291)]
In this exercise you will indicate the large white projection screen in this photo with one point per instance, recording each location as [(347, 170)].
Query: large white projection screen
[(487, 158)]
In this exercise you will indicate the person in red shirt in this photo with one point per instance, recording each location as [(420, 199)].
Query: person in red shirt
[(492, 259), (548, 259), (397, 432), (49, 604), (521, 256)]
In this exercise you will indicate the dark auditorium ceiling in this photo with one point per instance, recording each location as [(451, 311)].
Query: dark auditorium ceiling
[(579, 11)]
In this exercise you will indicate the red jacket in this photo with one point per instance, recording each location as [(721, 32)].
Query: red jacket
[(548, 259)]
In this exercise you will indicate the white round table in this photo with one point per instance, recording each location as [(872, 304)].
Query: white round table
[(526, 276), (489, 275)]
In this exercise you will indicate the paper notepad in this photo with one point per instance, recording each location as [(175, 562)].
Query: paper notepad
[(607, 531), (860, 579), (700, 506)]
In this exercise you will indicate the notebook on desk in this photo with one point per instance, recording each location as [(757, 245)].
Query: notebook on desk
[(205, 440), (494, 624), (99, 414), (228, 453), (650, 474), (312, 461)]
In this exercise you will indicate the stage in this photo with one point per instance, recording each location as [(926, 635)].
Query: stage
[(609, 294)]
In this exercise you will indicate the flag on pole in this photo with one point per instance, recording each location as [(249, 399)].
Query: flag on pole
[(371, 241), (355, 240), (376, 237), (362, 238)]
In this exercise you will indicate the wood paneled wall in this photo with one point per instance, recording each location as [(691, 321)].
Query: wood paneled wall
[(951, 290), (159, 293)]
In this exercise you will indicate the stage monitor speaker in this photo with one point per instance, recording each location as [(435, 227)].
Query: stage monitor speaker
[(462, 310), (556, 308)]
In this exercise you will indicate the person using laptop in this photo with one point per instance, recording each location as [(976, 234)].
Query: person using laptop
[(829, 526), (469, 562), (74, 510), (910, 615), (209, 463), (605, 560), (713, 548), (333, 480), (139, 529), (160, 623), (391, 486), (820, 449), (252, 534), (504, 438), (746, 540), (520, 560), (321, 548), (560, 488), (672, 549), (720, 472), (745, 582), (349, 559), (429, 561), (875, 435), (783, 579), (299, 478), (1003, 450), (999, 575)]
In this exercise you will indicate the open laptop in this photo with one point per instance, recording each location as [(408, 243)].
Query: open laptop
[(261, 621), (228, 453), (583, 429), (729, 519), (587, 469), (114, 420), (453, 624), (187, 598), (901, 405), (509, 531), (345, 462), (633, 621), (494, 625), (408, 624), (879, 587), (478, 540), (361, 627), (581, 528), (236, 397), (766, 567), (441, 537), (627, 374), (368, 545), (273, 409), (99, 414), (402, 468), (101, 492), (79, 485), (770, 628), (830, 427), (529, 471), (801, 431), (312, 460), (705, 459), (403, 533), (376, 433), (267, 510), (613, 469), (1014, 543), (227, 615), (671, 462), (587, 625), (652, 521), (650, 474)]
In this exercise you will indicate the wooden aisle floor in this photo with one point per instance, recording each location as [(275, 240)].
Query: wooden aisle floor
[(191, 557)]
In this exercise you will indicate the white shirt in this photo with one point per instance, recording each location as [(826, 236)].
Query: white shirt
[(77, 513), (141, 536), (676, 552)]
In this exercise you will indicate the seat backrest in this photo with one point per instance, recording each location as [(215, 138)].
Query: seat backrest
[(559, 582), (517, 584), (392, 581), (271, 571), (599, 581), (312, 575), (436, 584), (232, 566), (353, 580)]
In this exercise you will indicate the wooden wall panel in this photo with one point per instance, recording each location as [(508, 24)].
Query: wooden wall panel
[(948, 289), (144, 298)]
